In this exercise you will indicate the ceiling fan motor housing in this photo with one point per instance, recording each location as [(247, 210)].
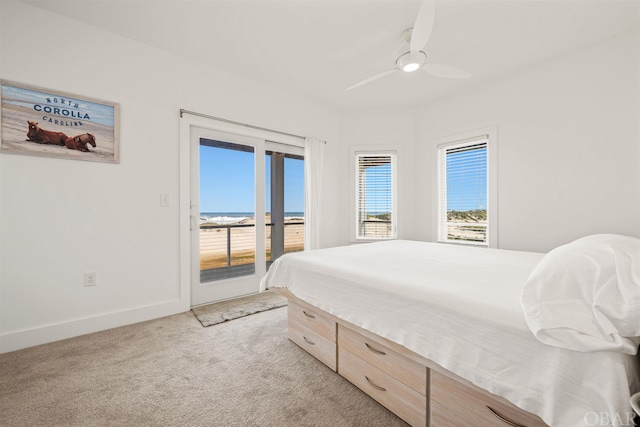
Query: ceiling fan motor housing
[(411, 61)]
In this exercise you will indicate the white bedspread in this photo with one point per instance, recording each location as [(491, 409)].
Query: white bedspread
[(460, 307)]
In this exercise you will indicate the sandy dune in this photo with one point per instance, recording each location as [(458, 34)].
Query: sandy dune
[(213, 244)]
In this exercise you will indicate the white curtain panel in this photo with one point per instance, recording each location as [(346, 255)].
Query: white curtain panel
[(313, 165)]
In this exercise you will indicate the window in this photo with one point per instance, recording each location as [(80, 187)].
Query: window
[(375, 190), (464, 214)]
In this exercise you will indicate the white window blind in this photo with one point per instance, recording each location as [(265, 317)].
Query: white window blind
[(462, 191), (375, 195)]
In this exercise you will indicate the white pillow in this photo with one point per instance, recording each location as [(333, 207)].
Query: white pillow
[(585, 295)]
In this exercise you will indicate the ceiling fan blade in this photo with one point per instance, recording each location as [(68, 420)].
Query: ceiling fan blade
[(371, 79), (446, 71), (423, 26)]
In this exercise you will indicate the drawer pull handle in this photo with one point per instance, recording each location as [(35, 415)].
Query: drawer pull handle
[(308, 341), (308, 315), (503, 419), (377, 387), (376, 351)]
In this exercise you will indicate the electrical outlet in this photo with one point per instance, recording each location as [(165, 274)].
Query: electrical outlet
[(90, 279)]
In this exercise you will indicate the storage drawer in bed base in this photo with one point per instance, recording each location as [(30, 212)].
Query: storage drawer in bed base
[(314, 344), (467, 402), (314, 332), (422, 399), (394, 395)]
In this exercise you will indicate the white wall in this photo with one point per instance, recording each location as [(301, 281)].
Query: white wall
[(61, 218), (569, 146)]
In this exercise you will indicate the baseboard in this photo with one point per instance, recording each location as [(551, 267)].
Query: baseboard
[(16, 340)]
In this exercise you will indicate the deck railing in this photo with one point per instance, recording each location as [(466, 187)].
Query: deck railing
[(375, 228), (229, 245), (466, 231)]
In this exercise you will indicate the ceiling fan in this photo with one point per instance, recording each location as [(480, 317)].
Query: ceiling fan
[(414, 58)]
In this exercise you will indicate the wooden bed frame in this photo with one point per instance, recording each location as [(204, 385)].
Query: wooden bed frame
[(414, 388)]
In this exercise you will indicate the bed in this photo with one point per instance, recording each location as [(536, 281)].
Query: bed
[(550, 339)]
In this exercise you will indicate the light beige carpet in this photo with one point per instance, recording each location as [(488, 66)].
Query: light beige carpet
[(219, 312), (173, 372)]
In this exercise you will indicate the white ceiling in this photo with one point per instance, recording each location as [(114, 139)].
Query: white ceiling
[(316, 48)]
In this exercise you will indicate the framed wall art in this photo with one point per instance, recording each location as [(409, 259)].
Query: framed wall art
[(43, 122)]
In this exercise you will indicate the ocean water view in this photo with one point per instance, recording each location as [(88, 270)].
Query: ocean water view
[(223, 218)]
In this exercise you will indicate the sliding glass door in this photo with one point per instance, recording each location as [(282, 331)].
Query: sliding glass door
[(247, 207), (227, 210)]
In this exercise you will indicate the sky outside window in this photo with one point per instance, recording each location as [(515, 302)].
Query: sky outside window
[(227, 181), (467, 180)]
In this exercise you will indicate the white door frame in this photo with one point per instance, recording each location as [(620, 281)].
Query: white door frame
[(191, 125), (218, 290)]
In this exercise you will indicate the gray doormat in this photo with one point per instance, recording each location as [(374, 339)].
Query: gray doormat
[(219, 312)]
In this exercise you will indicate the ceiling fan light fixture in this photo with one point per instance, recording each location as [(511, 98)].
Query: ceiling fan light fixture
[(412, 66), (411, 61)]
